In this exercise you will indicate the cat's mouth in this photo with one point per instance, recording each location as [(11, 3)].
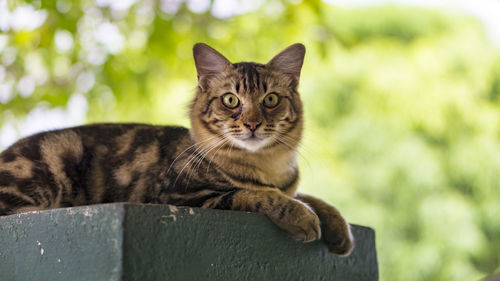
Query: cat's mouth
[(252, 138), (251, 141)]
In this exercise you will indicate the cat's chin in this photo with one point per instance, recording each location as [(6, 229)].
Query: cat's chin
[(252, 144)]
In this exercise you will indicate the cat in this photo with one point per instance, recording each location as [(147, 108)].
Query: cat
[(240, 154)]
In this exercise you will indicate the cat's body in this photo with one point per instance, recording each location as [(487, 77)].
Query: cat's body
[(140, 163), (239, 155)]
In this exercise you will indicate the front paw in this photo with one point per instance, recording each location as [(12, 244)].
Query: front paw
[(299, 221), (336, 231), (337, 234)]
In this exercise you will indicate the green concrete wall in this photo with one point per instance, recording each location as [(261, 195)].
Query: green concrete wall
[(160, 242)]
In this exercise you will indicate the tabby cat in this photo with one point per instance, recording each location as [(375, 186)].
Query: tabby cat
[(240, 154)]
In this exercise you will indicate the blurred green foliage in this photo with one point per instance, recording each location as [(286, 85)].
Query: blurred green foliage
[(402, 106)]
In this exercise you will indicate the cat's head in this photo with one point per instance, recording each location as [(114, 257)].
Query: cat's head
[(247, 105)]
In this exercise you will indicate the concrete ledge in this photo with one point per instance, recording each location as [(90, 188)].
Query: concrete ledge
[(161, 242)]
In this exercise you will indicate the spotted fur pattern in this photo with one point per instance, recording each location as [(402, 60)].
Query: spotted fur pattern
[(233, 158)]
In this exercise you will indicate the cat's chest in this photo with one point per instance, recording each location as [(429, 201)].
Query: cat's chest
[(262, 172)]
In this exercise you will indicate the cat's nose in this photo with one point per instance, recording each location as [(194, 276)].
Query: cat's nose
[(252, 125)]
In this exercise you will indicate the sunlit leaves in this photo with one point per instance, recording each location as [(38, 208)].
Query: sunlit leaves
[(402, 104)]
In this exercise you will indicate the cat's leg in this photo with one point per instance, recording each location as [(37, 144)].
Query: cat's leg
[(14, 200), (291, 215), (336, 231)]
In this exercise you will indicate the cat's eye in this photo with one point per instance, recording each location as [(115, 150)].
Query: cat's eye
[(271, 100), (230, 100)]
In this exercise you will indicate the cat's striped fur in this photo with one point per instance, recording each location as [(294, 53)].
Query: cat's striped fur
[(239, 155)]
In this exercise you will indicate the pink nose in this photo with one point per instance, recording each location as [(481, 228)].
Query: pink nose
[(252, 125)]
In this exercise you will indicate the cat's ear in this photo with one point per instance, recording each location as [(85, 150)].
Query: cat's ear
[(208, 63), (289, 61)]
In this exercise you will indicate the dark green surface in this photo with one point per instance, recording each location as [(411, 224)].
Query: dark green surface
[(158, 242), (64, 244)]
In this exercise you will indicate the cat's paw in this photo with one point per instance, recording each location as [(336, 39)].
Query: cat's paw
[(337, 234), (300, 222)]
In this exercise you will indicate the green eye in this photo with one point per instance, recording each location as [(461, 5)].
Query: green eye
[(230, 100), (271, 100)]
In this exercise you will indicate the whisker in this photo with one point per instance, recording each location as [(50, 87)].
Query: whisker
[(198, 143), (195, 165), (204, 155), (285, 142), (193, 156), (198, 158), (213, 156)]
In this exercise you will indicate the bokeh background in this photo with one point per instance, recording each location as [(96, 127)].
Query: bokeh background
[(402, 102)]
